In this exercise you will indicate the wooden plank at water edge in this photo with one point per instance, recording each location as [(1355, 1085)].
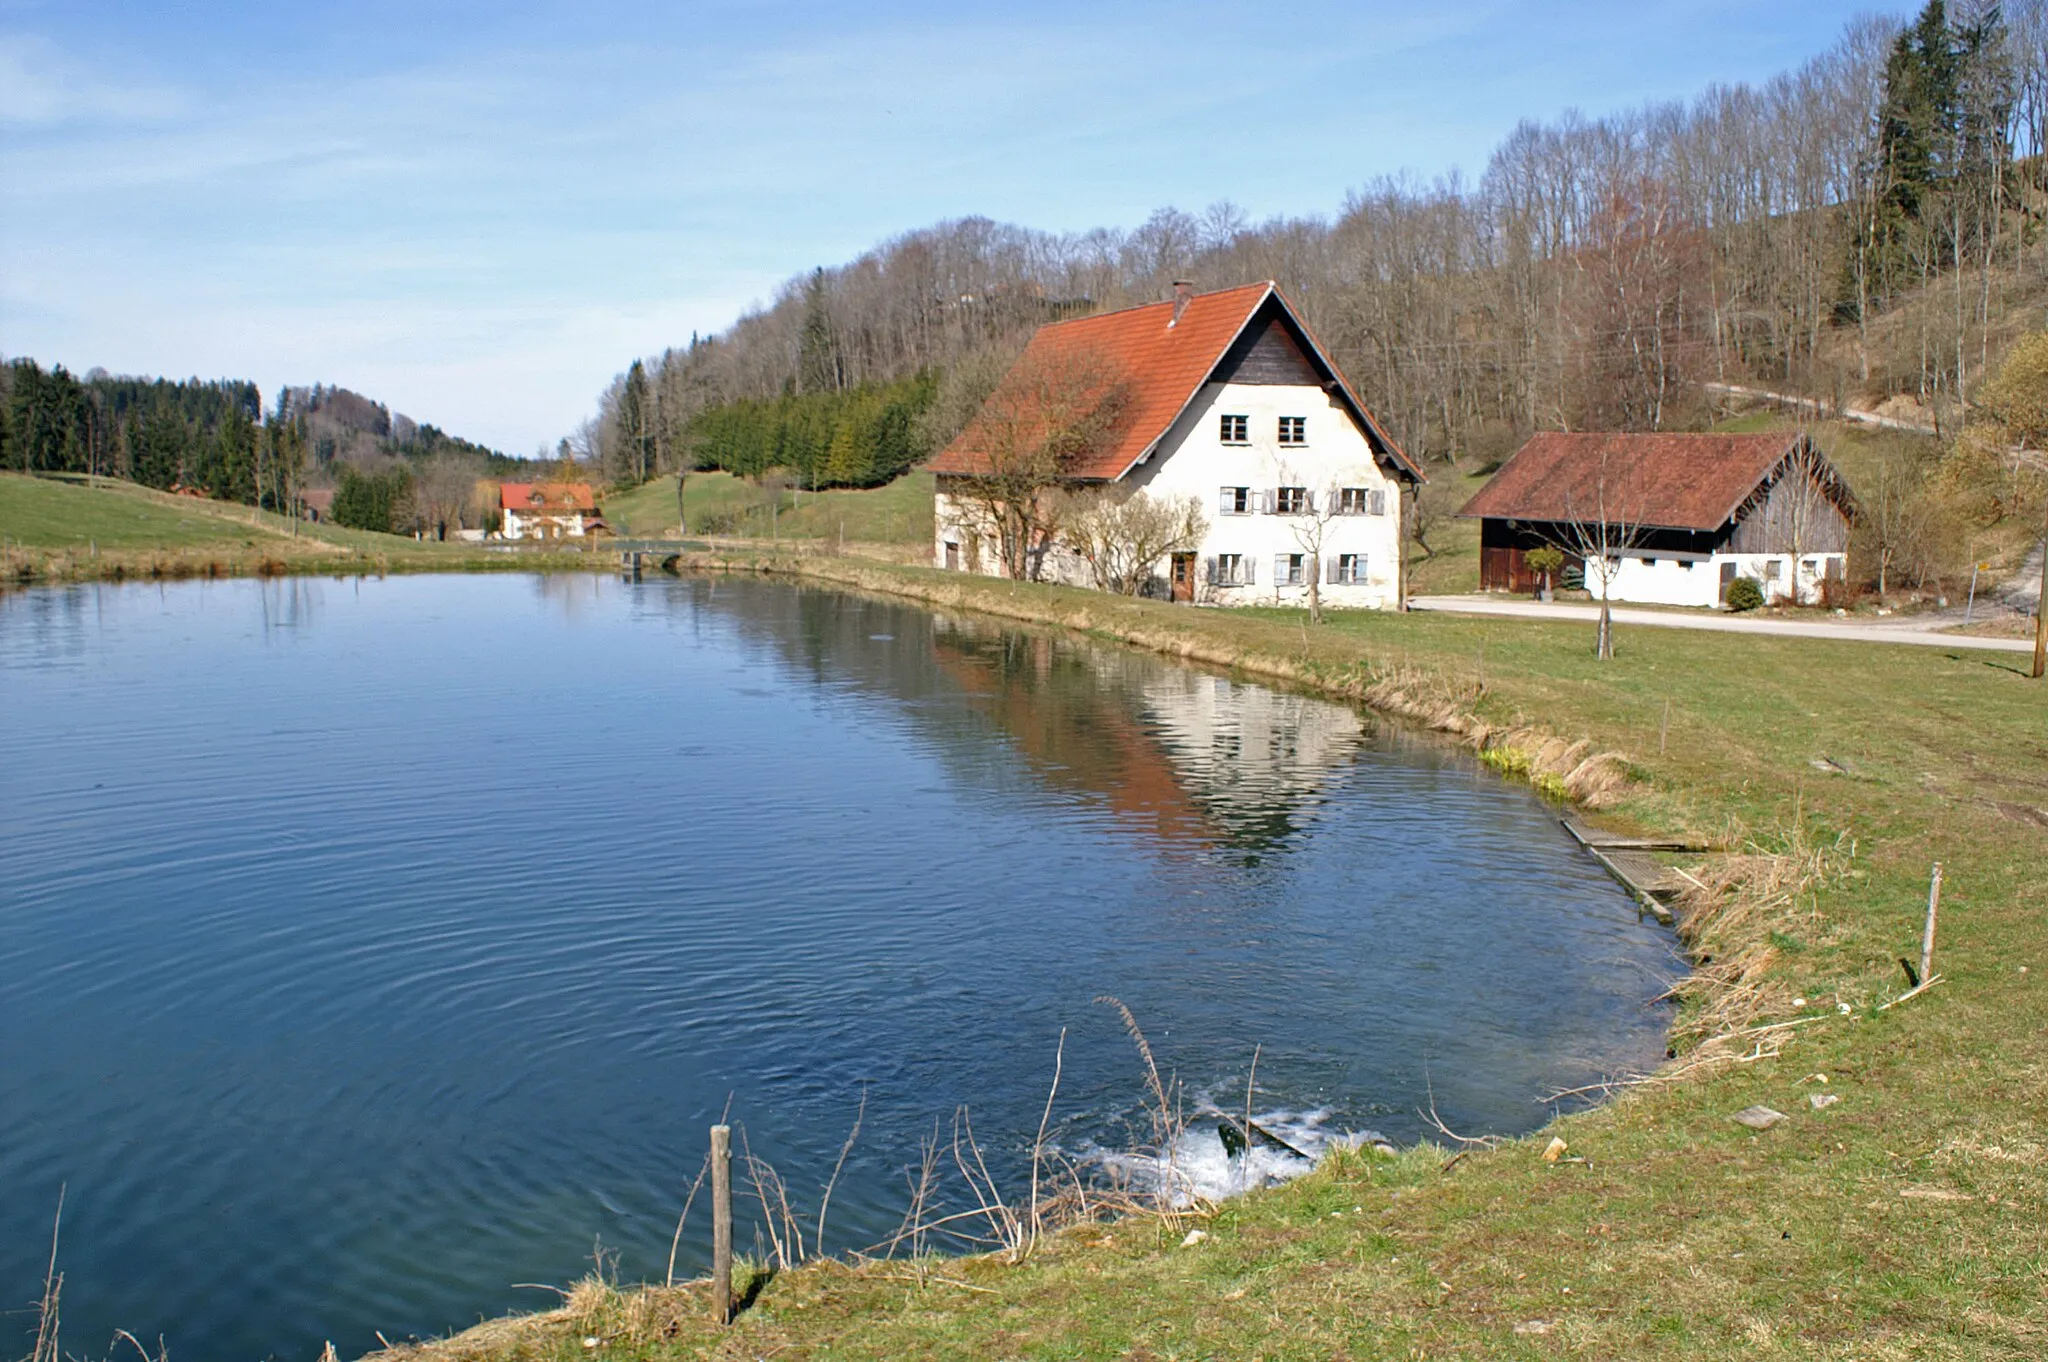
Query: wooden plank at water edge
[(1640, 873), (1597, 839)]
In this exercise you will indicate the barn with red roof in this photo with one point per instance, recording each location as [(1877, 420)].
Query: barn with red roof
[(1222, 397), (1668, 519)]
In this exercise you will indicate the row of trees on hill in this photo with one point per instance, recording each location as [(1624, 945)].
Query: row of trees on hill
[(214, 438), (1594, 275), (204, 435), (853, 437)]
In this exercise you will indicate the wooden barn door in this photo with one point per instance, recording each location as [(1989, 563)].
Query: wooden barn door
[(1183, 576)]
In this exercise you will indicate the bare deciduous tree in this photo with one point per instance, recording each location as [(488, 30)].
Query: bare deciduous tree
[(1051, 411), (1123, 534), (1602, 527), (1310, 523), (445, 485)]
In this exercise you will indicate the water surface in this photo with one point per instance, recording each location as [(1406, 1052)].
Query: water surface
[(368, 948)]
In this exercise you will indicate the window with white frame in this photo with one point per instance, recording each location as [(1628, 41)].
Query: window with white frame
[(1230, 569), (1290, 569), (1349, 570), (1234, 501), (1235, 430), (1294, 430), (1361, 501), (1291, 501), (1772, 569)]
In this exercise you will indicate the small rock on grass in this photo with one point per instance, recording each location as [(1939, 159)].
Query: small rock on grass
[(1194, 1237), (1757, 1117), (1533, 1326), (1818, 1100)]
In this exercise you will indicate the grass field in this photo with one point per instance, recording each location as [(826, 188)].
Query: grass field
[(1908, 1218), (899, 512), (65, 529)]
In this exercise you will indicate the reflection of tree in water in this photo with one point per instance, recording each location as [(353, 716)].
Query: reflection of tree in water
[(1188, 757)]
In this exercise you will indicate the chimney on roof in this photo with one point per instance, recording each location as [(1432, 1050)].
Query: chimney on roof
[(1183, 289)]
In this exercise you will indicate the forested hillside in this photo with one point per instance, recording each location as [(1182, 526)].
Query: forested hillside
[(214, 438), (1868, 225)]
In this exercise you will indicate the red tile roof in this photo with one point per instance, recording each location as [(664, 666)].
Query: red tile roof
[(1675, 482), (558, 497), (1165, 362)]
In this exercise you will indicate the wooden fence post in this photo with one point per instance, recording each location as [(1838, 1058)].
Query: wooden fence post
[(1927, 937), (2041, 618), (721, 1223)]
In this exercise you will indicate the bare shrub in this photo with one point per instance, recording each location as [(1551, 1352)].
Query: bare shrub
[(1123, 534)]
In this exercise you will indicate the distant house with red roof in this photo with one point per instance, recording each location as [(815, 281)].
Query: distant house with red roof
[(1230, 400), (548, 510), (1686, 515)]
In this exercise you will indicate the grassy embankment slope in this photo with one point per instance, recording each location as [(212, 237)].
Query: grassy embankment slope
[(1907, 1219), (898, 514), (67, 530)]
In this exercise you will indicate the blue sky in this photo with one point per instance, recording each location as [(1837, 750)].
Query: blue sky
[(479, 212)]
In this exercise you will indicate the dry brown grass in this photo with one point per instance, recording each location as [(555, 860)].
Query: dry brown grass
[(1732, 910)]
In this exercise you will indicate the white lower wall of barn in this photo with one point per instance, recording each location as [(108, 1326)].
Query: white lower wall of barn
[(1665, 579), (1659, 580)]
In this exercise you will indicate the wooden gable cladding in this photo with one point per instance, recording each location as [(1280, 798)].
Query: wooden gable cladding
[(1268, 354), (1798, 511)]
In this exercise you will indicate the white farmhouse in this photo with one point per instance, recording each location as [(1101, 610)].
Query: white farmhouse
[(548, 510), (1231, 401), (1676, 518)]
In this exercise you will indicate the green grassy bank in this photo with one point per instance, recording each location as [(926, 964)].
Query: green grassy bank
[(59, 530), (897, 513), (1908, 1217)]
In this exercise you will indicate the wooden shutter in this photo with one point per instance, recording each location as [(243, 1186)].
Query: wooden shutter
[(1209, 570), (1379, 501), (1266, 500), (1226, 501), (1279, 569)]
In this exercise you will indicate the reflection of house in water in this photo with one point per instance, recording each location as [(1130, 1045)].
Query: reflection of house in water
[(1185, 756), (1196, 757), (1256, 757)]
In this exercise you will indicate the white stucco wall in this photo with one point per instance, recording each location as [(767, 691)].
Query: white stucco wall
[(1664, 579), (518, 524), (1658, 579), (1194, 461)]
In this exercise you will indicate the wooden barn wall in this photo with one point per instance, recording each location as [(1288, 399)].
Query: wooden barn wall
[(1768, 525)]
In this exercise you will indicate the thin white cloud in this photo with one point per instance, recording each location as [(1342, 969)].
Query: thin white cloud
[(41, 87)]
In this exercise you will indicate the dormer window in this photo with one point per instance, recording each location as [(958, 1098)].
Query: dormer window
[(1235, 430), (1294, 430)]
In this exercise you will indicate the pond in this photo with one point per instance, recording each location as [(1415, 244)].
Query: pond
[(373, 947)]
